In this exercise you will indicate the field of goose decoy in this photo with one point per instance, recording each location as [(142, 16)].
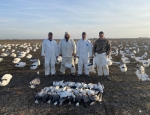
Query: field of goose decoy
[(23, 83)]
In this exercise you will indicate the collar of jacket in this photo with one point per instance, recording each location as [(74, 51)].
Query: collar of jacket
[(50, 39), (83, 39), (101, 38)]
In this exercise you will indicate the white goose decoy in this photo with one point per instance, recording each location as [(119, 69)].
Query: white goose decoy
[(34, 50), (138, 50), (13, 55), (127, 50), (34, 66), (33, 59), (12, 50), (125, 59), (140, 72), (29, 56), (134, 51), (1, 59), (20, 64), (113, 52), (139, 59), (5, 79), (148, 61), (35, 82), (123, 67), (132, 56), (21, 54), (144, 55), (116, 52), (145, 63), (4, 54), (16, 60), (3, 50)]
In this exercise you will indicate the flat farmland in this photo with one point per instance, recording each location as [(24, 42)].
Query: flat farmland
[(123, 95)]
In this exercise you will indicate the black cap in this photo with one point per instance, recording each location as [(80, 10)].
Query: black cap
[(83, 33), (50, 33), (101, 32)]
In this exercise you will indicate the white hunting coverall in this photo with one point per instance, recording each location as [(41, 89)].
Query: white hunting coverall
[(84, 51), (50, 51), (66, 48), (102, 64)]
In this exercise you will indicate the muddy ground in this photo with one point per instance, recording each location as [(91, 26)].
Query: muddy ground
[(124, 95)]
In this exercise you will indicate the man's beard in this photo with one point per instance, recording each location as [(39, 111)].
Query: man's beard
[(67, 38)]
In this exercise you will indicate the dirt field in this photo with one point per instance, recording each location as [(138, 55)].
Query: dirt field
[(124, 95)]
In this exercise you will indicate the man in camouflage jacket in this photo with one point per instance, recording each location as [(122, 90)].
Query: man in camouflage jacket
[(101, 50)]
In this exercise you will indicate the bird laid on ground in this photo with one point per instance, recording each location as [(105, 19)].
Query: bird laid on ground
[(35, 82), (1, 59), (35, 65), (33, 59), (20, 64), (58, 60), (16, 60), (13, 55), (123, 67), (71, 92), (145, 63), (5, 79), (68, 65), (125, 60), (29, 56), (140, 72)]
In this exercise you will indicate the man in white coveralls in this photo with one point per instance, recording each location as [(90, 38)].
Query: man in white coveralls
[(84, 53), (50, 52), (67, 50), (101, 50)]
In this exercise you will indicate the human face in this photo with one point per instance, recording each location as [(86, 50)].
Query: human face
[(50, 36), (101, 36), (67, 36), (83, 36)]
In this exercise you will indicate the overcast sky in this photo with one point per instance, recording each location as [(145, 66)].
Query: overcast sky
[(21, 19)]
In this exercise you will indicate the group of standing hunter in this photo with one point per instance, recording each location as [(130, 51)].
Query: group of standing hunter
[(84, 51)]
